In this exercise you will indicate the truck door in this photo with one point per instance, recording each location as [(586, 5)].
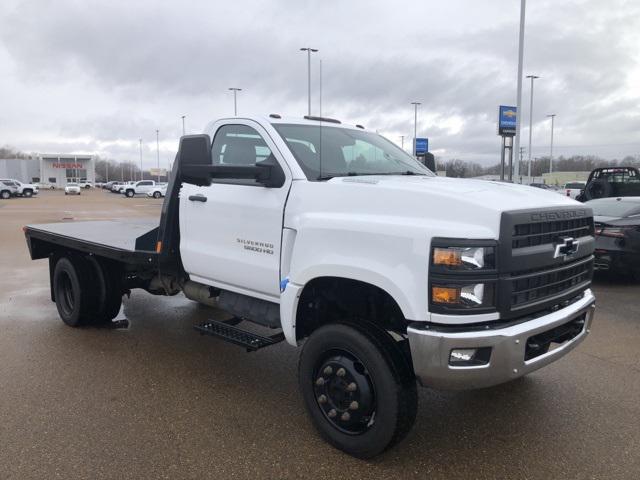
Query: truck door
[(231, 231)]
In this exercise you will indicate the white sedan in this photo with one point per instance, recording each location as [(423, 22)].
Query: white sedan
[(158, 191), (72, 189)]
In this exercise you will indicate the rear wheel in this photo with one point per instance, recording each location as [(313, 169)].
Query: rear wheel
[(108, 287), (156, 195), (5, 194), (75, 298), (358, 387)]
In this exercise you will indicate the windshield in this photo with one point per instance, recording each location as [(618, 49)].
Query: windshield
[(327, 152), (72, 184), (616, 208), (575, 185)]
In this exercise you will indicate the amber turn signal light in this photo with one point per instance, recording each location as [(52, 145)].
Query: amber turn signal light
[(447, 256), (445, 294)]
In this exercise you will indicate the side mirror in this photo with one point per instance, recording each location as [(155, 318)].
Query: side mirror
[(194, 154), (269, 172)]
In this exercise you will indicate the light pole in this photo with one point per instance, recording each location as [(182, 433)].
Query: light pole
[(141, 174), (415, 125), (402, 141), (532, 77), (183, 124), (516, 145), (552, 116), (309, 50), (158, 151), (235, 91)]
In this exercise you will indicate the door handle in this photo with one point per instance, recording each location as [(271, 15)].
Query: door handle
[(197, 198)]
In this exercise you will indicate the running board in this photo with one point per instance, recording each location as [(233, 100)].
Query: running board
[(232, 334)]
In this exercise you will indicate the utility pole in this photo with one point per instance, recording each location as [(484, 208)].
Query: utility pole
[(183, 124), (516, 146), (415, 126), (141, 174), (402, 141), (553, 116), (158, 150), (532, 77), (309, 50), (320, 88), (235, 91)]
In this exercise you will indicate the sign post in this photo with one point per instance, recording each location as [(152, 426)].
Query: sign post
[(506, 129)]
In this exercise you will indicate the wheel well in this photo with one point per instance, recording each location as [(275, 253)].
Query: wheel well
[(330, 299)]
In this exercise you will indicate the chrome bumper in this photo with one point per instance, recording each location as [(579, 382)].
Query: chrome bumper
[(430, 349)]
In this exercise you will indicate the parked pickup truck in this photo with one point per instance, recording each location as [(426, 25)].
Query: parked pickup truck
[(22, 189), (138, 188), (336, 241)]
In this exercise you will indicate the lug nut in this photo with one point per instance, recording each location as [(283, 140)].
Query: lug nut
[(322, 399), (328, 371), (332, 413), (341, 372), (352, 387), (320, 381), (354, 405), (345, 417)]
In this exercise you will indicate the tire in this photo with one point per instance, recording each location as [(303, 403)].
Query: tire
[(157, 194), (109, 291), (129, 193), (5, 194), (27, 193), (66, 193), (384, 388), (74, 291)]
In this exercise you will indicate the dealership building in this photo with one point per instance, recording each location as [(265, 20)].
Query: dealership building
[(55, 170), (58, 170)]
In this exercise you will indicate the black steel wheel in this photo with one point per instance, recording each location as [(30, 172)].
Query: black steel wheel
[(358, 387)]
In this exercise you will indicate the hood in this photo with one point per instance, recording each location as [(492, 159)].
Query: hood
[(460, 208), (496, 195)]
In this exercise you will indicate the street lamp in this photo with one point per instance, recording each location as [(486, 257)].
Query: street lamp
[(516, 144), (552, 116), (532, 77), (415, 126), (235, 100), (158, 151), (309, 50), (141, 174), (183, 124)]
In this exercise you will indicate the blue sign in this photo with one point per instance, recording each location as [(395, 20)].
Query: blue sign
[(507, 120), (422, 146)]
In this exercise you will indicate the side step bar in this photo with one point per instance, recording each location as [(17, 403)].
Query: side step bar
[(232, 334)]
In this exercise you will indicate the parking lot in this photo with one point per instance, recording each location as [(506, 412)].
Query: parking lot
[(157, 400)]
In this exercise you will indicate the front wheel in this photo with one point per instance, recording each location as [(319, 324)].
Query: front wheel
[(358, 387), (156, 195), (27, 193), (5, 194), (129, 193)]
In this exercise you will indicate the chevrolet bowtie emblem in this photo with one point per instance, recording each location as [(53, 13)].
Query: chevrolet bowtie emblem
[(566, 246)]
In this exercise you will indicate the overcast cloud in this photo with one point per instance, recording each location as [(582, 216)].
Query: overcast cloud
[(82, 76)]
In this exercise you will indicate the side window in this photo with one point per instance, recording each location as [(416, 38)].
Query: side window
[(238, 145)]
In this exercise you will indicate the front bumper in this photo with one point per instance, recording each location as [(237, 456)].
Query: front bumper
[(431, 349)]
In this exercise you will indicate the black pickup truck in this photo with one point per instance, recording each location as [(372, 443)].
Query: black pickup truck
[(611, 182)]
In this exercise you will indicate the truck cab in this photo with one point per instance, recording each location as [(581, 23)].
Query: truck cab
[(335, 240)]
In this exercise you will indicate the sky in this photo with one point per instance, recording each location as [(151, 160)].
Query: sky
[(94, 77)]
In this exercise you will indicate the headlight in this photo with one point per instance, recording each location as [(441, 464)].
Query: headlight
[(462, 258), (453, 296)]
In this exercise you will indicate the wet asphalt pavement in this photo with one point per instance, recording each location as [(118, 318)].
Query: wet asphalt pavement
[(157, 400)]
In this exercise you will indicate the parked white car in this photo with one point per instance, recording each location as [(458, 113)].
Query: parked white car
[(22, 189), (7, 189), (573, 189), (72, 189), (116, 186), (85, 184), (138, 188), (160, 190)]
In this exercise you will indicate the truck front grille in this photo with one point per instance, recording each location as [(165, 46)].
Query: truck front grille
[(537, 286), (532, 234)]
